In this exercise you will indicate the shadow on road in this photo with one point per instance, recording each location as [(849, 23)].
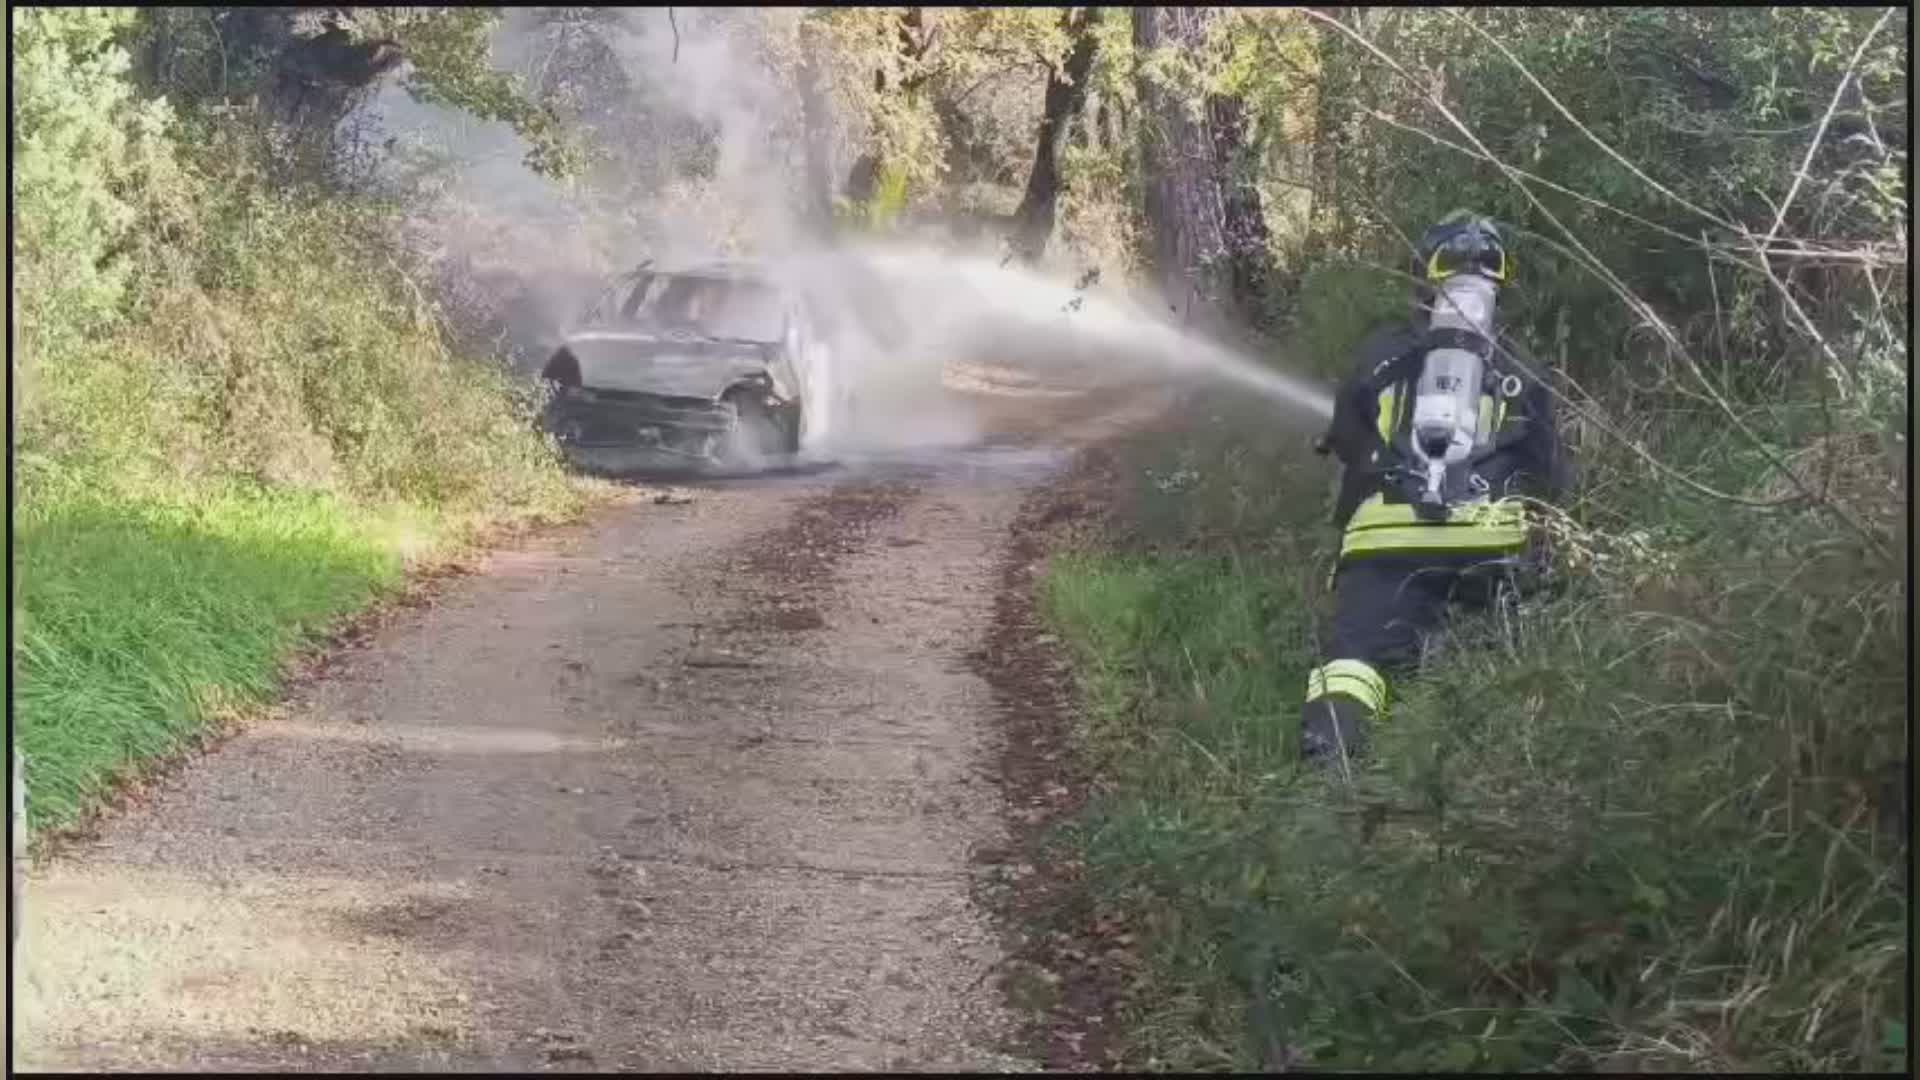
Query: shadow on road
[(637, 469), (932, 459)]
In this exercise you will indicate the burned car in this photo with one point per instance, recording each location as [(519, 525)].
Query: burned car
[(708, 365)]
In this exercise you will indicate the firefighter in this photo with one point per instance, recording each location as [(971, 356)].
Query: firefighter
[(1445, 434)]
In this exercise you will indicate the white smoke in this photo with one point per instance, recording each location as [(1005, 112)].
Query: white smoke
[(717, 71), (899, 317)]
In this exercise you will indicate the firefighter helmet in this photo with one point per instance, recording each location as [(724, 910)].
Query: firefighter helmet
[(1463, 243)]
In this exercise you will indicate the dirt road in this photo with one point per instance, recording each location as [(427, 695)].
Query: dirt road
[(693, 785)]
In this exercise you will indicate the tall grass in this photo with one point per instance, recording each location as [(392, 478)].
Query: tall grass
[(248, 436), (232, 469), (1658, 817), (138, 621), (1646, 824)]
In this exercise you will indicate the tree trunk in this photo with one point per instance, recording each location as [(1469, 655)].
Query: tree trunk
[(310, 81), (1066, 97), (863, 177), (1185, 215), (1326, 223), (160, 48), (1243, 223)]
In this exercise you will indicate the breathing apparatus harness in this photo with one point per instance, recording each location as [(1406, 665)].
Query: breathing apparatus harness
[(1432, 462)]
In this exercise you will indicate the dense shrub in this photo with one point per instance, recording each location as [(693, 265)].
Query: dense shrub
[(237, 416), (1658, 818)]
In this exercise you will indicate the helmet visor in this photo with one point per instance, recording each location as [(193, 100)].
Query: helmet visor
[(1465, 249)]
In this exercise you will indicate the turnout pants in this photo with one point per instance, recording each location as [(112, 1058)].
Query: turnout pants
[(1385, 607)]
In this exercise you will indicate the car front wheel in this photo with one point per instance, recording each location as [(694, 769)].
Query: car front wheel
[(759, 432)]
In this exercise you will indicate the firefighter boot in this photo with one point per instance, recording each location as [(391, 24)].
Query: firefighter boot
[(1333, 728)]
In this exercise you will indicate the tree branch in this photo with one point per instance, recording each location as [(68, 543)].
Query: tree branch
[(1593, 264), (1813, 147), (1786, 294)]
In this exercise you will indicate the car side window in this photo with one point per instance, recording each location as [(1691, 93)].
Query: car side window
[(637, 294), (603, 304)]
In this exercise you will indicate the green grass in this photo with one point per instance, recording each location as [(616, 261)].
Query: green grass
[(137, 620), (249, 442), (1641, 825)]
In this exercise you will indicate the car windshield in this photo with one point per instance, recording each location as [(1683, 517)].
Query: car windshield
[(714, 307)]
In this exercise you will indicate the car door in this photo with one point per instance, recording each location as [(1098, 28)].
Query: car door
[(604, 305)]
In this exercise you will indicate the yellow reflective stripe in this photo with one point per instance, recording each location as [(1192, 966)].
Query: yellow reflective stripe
[(1353, 688), (1342, 674), (1376, 512), (1381, 526), (1385, 420), (1434, 273), (1353, 678), (1450, 541)]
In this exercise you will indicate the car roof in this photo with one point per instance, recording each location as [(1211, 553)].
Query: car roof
[(738, 269)]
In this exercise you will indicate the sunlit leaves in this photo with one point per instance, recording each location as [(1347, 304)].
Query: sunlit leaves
[(451, 65)]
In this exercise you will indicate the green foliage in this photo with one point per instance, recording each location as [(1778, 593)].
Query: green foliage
[(1099, 214), (879, 213), (139, 621), (1098, 219), (1653, 823), (314, 365), (236, 415), (451, 65), (1644, 825), (947, 97), (874, 84), (82, 146), (1269, 60), (1716, 104), (312, 62), (1113, 57), (1340, 303)]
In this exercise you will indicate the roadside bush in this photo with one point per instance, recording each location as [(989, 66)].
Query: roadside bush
[(140, 621), (1653, 823), (1657, 819), (286, 347), (237, 417), (81, 140)]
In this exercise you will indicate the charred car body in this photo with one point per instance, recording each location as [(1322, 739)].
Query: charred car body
[(709, 364)]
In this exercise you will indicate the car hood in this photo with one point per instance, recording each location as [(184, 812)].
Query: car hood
[(678, 366)]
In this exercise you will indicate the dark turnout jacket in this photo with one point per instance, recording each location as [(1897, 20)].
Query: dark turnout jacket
[(1373, 413)]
